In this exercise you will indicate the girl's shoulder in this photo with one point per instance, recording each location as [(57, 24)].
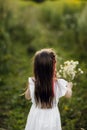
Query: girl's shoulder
[(61, 80), (31, 80), (61, 86), (31, 83)]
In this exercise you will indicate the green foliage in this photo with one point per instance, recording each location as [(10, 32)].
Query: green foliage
[(82, 24), (26, 27), (39, 1)]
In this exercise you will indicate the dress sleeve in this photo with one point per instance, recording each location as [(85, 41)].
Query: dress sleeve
[(62, 87), (31, 88)]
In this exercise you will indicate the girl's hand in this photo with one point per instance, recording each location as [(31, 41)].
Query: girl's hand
[(27, 93), (69, 90), (70, 84)]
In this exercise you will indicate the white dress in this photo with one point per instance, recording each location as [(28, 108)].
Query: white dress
[(46, 119)]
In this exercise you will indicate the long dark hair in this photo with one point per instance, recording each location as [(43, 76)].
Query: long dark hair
[(44, 62)]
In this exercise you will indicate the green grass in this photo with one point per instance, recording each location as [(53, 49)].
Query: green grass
[(13, 106)]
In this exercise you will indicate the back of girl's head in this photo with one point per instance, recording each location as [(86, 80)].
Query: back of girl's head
[(44, 67)]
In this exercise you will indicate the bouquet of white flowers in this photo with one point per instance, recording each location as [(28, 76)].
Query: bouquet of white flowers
[(69, 70)]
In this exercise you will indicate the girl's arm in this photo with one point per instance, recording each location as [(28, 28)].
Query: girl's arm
[(69, 90), (27, 93)]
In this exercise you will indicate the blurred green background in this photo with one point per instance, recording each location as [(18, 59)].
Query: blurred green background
[(27, 26)]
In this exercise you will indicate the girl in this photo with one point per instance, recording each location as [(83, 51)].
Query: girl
[(45, 91)]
